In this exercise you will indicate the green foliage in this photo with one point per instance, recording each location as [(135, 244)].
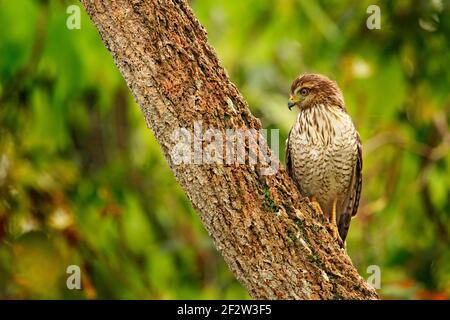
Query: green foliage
[(82, 180)]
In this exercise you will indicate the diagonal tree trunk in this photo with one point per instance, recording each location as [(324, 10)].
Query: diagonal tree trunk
[(271, 239)]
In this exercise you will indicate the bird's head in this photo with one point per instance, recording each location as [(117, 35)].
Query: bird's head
[(310, 90)]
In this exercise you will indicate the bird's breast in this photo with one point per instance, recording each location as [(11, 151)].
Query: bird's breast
[(323, 152)]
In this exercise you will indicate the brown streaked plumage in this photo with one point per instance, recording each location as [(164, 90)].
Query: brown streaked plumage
[(323, 150)]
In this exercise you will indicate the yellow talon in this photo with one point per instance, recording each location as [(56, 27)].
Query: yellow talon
[(316, 205), (334, 227), (333, 214)]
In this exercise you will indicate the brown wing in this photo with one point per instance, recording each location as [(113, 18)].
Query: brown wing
[(287, 156), (289, 164), (354, 194)]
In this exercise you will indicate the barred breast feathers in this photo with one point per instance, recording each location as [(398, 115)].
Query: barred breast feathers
[(321, 123)]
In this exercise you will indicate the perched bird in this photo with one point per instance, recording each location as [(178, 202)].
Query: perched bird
[(323, 151)]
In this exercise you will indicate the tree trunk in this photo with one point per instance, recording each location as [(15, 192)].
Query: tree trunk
[(272, 240)]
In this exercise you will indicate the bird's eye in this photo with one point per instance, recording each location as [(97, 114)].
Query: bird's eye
[(304, 91)]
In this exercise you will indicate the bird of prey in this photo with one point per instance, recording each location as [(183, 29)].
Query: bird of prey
[(323, 151)]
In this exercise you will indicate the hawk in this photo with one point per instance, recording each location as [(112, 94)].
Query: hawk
[(323, 151)]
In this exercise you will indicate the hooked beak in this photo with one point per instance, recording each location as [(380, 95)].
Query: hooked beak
[(291, 103)]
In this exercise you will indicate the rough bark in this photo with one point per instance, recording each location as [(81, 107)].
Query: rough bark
[(272, 240)]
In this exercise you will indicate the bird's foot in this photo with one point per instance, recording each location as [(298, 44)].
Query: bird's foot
[(331, 225), (332, 228), (316, 206)]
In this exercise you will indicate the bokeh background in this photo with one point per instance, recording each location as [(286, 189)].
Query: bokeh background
[(83, 181)]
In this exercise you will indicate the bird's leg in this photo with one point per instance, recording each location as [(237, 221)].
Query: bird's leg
[(333, 225), (316, 205)]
